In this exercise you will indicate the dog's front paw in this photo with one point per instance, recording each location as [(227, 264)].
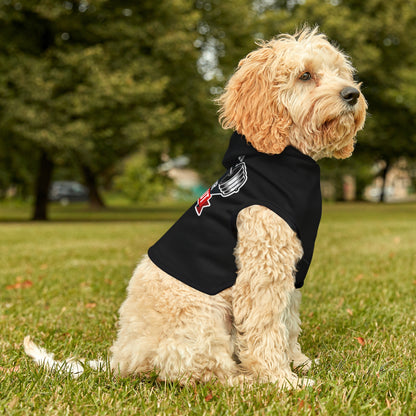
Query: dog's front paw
[(306, 382), (304, 364), (296, 383)]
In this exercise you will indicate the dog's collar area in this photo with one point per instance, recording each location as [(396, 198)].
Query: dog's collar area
[(239, 147)]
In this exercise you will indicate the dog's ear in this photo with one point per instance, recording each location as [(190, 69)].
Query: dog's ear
[(250, 103)]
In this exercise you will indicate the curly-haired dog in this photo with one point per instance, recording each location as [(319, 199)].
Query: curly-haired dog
[(217, 297)]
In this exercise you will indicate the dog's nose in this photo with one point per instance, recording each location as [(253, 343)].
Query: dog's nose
[(350, 95)]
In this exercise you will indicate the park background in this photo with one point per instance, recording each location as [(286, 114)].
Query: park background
[(119, 96)]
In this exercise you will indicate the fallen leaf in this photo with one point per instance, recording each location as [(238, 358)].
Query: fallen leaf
[(359, 277), (91, 305), (361, 341), (310, 314), (301, 404), (209, 396), (20, 285), (43, 266), (349, 312), (11, 287), (414, 282)]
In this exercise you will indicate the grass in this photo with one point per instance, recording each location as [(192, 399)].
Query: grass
[(62, 282)]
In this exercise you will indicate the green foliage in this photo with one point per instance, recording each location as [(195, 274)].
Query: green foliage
[(94, 82), (140, 181), (16, 167), (223, 34), (86, 86)]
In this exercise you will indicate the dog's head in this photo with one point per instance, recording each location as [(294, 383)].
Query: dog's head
[(295, 90)]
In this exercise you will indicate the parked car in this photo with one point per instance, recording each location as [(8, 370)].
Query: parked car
[(68, 191)]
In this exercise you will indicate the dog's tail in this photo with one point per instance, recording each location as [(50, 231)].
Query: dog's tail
[(71, 365)]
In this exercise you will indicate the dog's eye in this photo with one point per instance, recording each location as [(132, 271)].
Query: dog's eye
[(306, 76)]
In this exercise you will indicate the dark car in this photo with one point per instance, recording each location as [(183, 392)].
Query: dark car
[(68, 191)]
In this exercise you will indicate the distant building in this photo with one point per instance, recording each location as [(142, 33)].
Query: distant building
[(185, 179), (398, 185)]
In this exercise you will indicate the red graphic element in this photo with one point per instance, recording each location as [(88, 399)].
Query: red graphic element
[(203, 201)]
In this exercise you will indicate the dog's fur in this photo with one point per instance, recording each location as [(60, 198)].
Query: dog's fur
[(248, 332)]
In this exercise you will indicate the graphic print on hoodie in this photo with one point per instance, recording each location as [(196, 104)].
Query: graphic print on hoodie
[(198, 249)]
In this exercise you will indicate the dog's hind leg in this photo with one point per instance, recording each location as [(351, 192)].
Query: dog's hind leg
[(266, 254), (198, 348), (177, 331)]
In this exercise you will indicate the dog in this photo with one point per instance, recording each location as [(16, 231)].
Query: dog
[(220, 301)]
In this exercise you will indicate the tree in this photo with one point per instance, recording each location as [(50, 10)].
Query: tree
[(16, 168), (140, 181), (91, 82), (79, 83), (223, 35)]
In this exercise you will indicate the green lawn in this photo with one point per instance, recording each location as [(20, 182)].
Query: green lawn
[(62, 282)]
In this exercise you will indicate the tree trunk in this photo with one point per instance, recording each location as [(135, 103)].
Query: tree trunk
[(43, 182), (90, 179), (383, 185)]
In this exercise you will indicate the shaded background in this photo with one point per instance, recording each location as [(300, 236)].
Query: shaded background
[(118, 95)]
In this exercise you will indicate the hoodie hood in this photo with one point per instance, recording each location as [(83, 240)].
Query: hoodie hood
[(238, 147)]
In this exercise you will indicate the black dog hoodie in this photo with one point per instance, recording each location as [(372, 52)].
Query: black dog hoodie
[(199, 248)]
